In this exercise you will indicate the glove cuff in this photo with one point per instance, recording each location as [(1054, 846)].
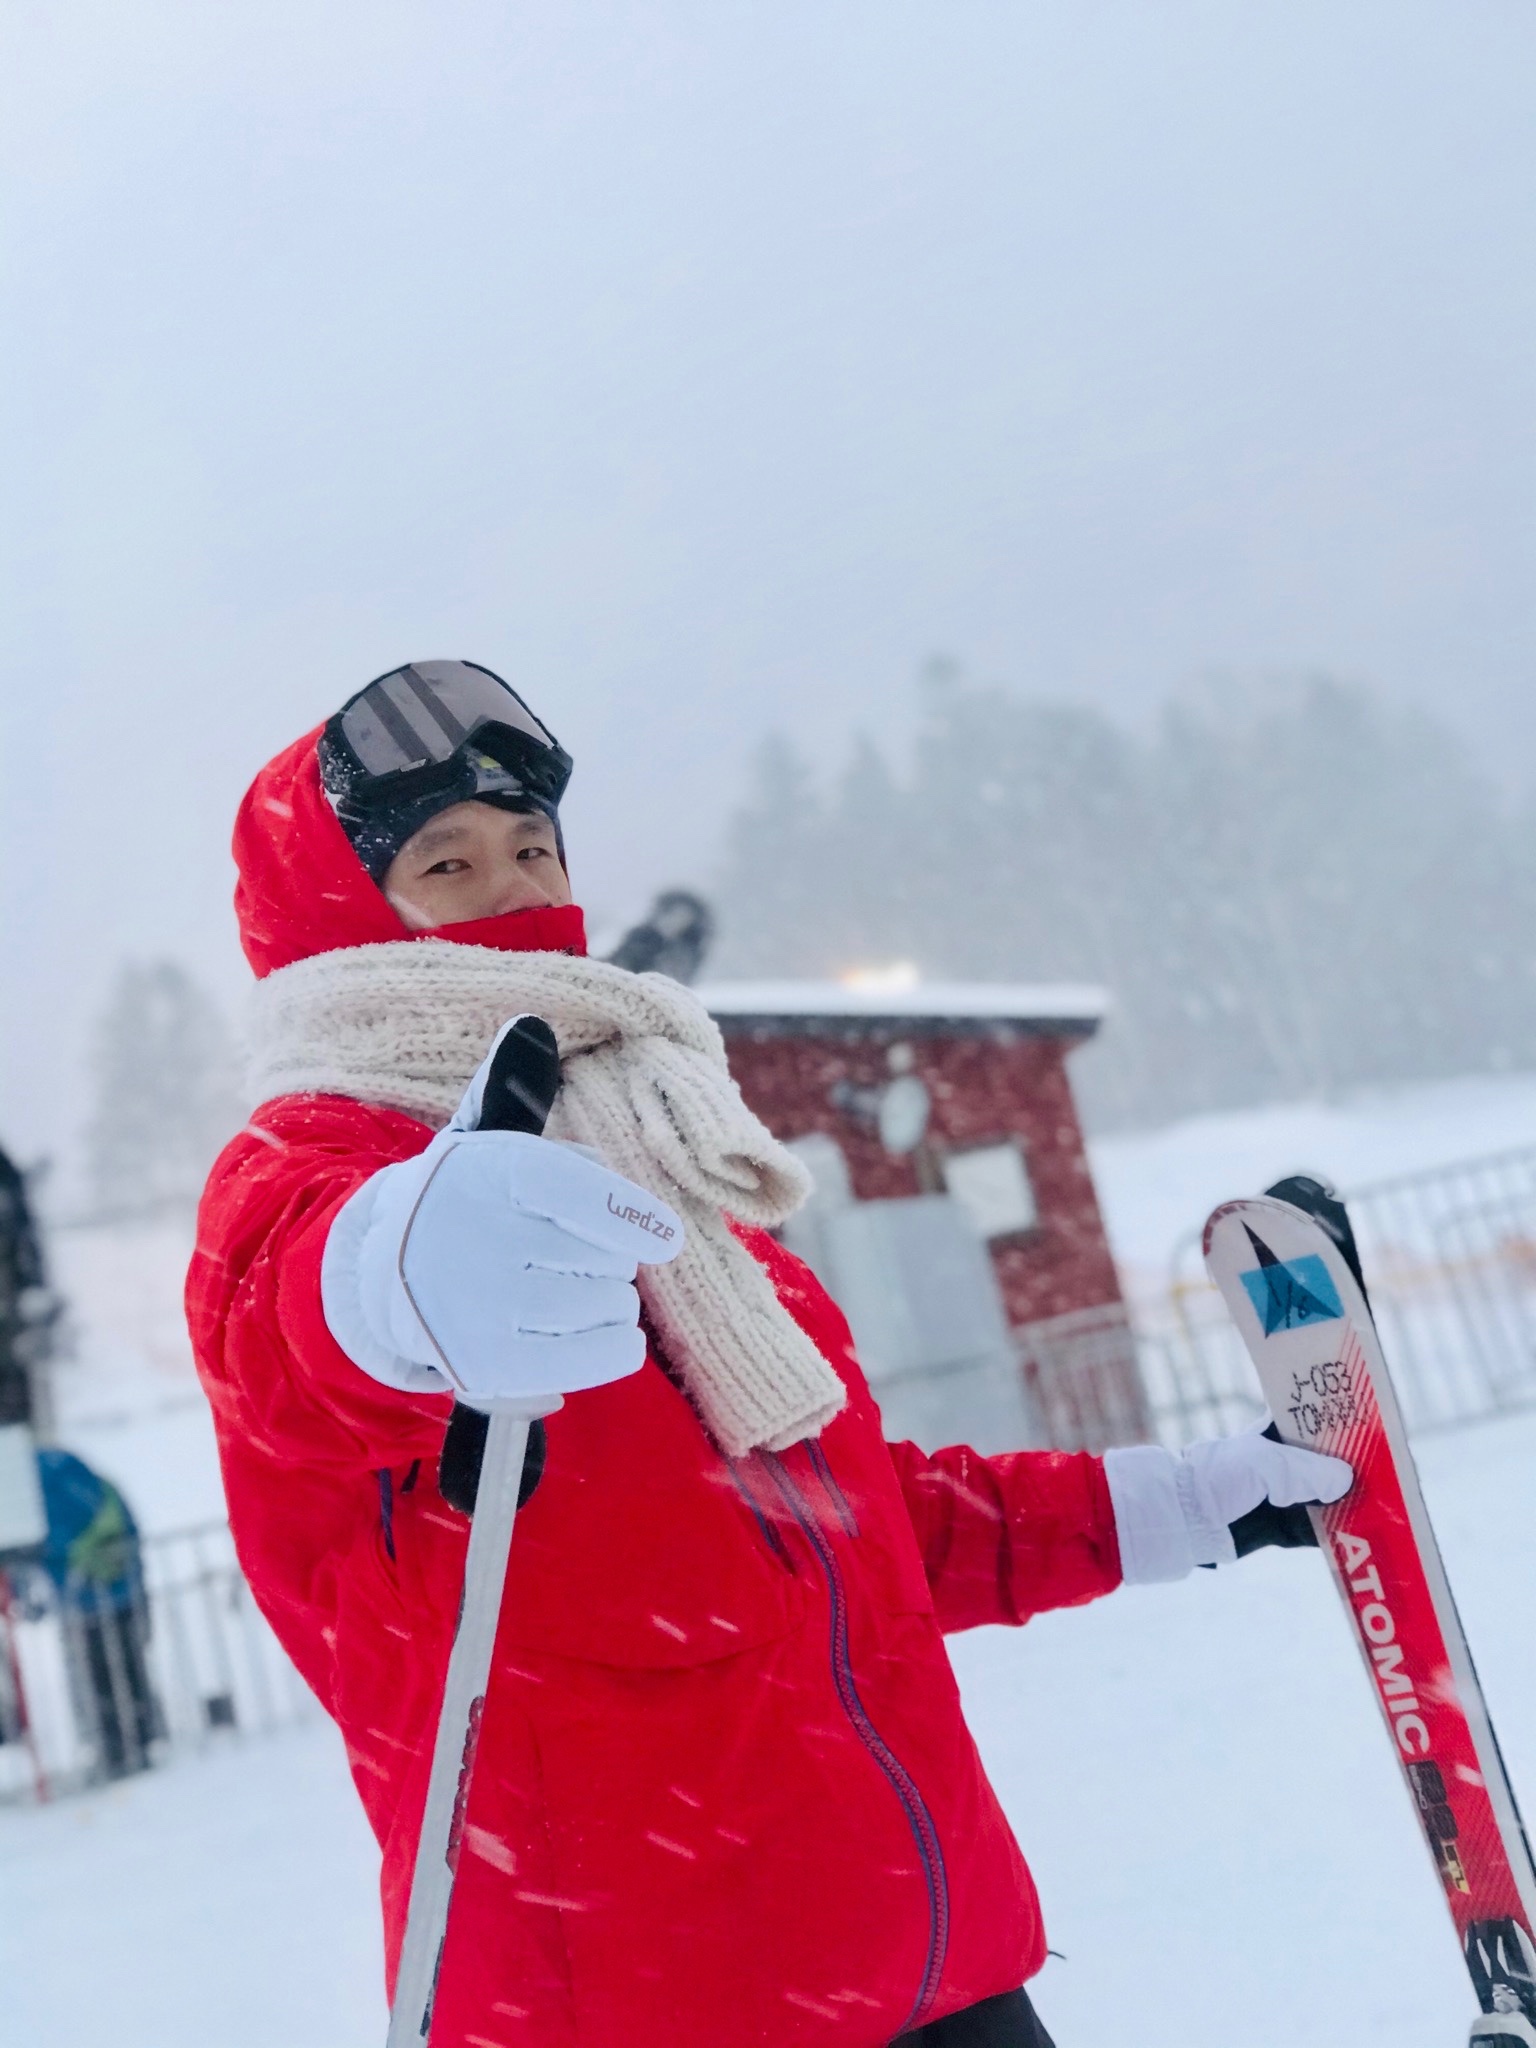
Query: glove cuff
[(1210, 1539), (356, 1238), (1151, 1523)]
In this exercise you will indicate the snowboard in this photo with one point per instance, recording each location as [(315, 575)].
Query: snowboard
[(1304, 1317)]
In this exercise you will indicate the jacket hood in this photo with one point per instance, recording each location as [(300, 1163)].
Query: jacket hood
[(302, 890)]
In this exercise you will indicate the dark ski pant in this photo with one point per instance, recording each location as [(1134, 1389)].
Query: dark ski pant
[(122, 1704), (1009, 2021)]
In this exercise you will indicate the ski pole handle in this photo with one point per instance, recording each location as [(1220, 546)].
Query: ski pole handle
[(519, 1092), (524, 1079)]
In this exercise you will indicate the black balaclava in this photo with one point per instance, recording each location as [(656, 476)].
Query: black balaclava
[(515, 765), (378, 835)]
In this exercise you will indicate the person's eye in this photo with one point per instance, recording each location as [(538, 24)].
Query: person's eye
[(450, 866), (533, 853)]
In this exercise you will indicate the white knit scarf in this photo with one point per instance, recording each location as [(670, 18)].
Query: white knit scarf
[(643, 1080)]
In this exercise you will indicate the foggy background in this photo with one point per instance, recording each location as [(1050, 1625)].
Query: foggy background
[(709, 369), (1031, 488)]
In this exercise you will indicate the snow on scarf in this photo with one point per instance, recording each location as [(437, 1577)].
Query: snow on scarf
[(643, 1080)]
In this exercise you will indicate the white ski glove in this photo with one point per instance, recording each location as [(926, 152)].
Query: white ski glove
[(494, 1264), (1173, 1512)]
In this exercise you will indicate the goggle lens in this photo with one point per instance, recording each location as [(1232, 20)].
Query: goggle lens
[(420, 715)]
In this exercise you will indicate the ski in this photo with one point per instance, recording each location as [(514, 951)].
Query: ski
[(1291, 1282)]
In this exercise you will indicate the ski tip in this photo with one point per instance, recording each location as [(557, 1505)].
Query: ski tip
[(1241, 1206), (1248, 1209)]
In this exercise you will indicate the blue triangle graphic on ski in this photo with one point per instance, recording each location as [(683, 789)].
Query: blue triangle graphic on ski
[(1290, 1293)]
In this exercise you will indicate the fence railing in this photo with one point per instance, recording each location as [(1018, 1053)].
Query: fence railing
[(1450, 1259), (1085, 1380), (98, 1682), (93, 1686)]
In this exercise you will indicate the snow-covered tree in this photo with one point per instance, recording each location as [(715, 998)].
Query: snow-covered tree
[(166, 1092), (774, 853), (1289, 886)]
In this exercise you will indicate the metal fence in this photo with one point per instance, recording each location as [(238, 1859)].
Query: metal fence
[(96, 1684), (90, 1690), (1450, 1259), (1085, 1379)]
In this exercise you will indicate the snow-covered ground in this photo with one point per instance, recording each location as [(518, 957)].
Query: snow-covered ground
[(227, 1902), (1196, 1772)]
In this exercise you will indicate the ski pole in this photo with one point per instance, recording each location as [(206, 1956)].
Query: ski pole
[(519, 1092), (24, 1725)]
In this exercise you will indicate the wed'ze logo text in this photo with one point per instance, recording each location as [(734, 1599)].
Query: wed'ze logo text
[(643, 1219)]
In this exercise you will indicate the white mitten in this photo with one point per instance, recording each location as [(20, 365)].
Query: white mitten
[(495, 1264), (1173, 1512)]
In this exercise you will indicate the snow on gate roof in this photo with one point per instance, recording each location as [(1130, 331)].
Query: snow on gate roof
[(1067, 1009)]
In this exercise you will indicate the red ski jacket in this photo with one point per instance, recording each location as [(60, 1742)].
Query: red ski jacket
[(724, 1792)]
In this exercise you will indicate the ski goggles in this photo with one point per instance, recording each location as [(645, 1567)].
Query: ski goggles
[(412, 731)]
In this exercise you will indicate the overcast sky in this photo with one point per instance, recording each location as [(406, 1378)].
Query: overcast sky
[(704, 366)]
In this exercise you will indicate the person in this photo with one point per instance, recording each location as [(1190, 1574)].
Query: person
[(724, 1791), (29, 1309), (672, 938), (93, 1558)]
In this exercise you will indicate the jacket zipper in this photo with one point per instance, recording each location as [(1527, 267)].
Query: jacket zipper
[(830, 1487), (765, 1528), (386, 1479), (919, 1819)]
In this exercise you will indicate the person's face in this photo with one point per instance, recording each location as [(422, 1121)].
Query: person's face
[(474, 860)]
